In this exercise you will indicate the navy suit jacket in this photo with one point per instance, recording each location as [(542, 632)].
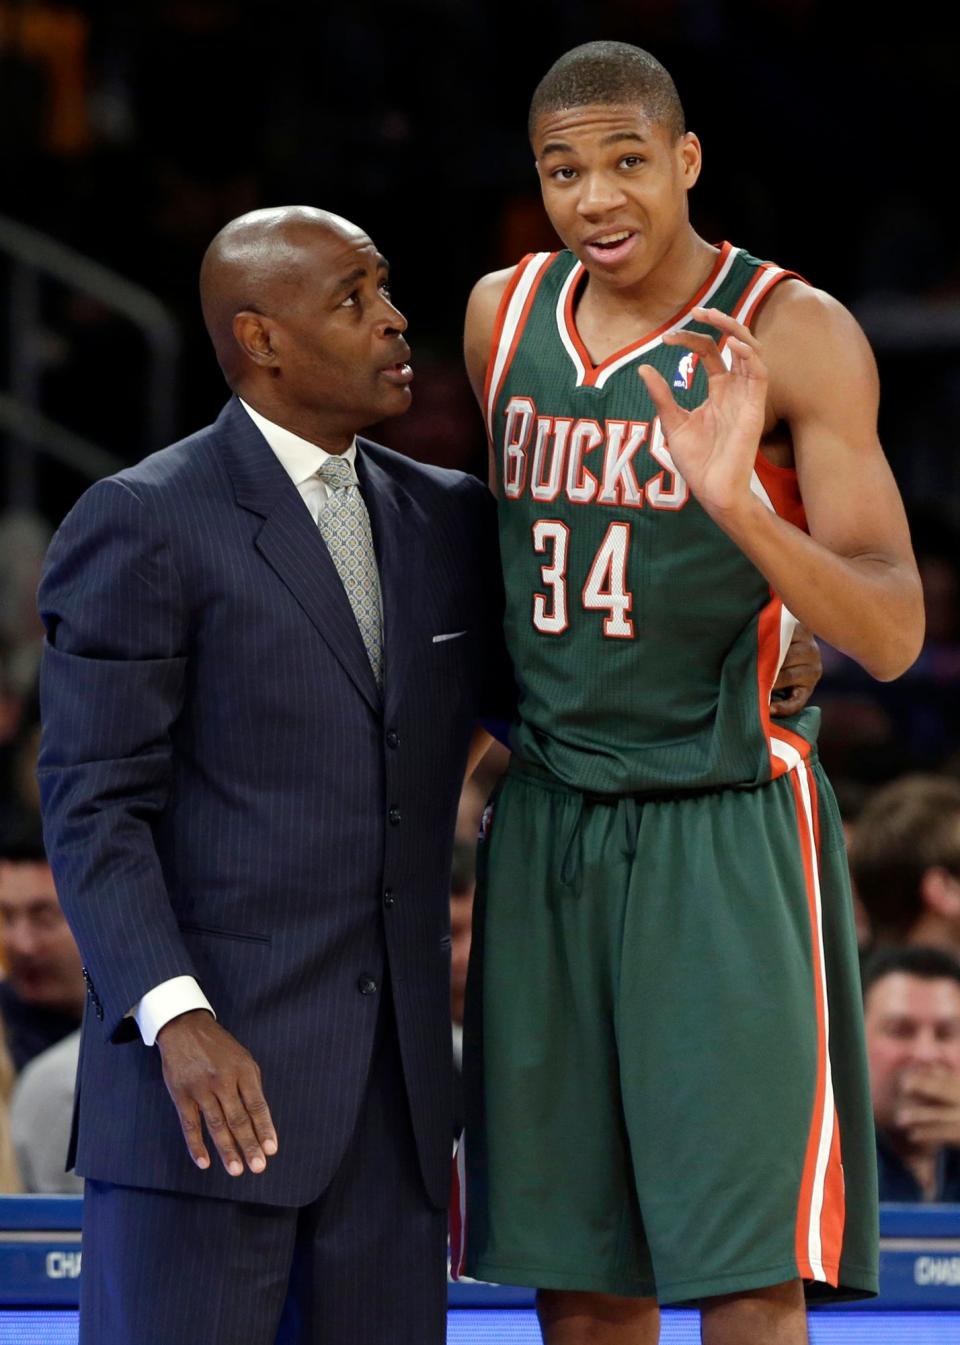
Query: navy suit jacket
[(227, 796)]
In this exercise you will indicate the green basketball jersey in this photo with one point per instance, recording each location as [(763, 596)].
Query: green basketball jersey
[(645, 643)]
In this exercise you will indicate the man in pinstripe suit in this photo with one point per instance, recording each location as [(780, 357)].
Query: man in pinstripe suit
[(250, 768)]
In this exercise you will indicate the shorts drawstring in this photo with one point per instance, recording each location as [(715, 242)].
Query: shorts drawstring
[(571, 866), (630, 812)]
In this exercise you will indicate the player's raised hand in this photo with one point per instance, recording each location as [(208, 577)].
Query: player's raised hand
[(714, 446)]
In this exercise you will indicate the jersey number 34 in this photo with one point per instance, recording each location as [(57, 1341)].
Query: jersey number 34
[(605, 589)]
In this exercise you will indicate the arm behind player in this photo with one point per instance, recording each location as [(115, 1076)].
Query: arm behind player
[(853, 580)]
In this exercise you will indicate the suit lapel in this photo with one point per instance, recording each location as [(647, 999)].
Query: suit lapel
[(290, 543), (397, 538)]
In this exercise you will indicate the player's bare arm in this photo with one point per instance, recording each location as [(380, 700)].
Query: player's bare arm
[(478, 335), (853, 580)]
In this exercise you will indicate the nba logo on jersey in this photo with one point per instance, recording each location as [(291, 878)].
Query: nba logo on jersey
[(683, 378)]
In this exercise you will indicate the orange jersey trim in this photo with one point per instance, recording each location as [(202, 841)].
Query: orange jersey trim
[(832, 1213)]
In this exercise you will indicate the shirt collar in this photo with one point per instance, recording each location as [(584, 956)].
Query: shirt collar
[(300, 459)]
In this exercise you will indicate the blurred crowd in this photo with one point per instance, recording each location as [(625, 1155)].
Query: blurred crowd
[(132, 133)]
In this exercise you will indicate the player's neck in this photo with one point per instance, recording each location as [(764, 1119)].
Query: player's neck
[(665, 289)]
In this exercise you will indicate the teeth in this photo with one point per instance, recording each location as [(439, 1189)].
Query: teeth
[(613, 238)]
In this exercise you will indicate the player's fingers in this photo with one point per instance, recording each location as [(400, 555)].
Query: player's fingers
[(189, 1114), (746, 360), (251, 1094), (726, 324), (221, 1134), (671, 415)]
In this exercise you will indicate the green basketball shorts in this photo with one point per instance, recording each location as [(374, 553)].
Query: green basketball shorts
[(665, 1076)]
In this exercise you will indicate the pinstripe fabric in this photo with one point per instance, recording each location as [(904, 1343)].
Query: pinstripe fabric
[(222, 798), (356, 1279)]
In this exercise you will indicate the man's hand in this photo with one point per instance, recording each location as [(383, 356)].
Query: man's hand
[(801, 671), (929, 1109), (209, 1074)]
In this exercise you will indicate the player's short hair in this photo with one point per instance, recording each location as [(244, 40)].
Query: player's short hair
[(609, 72), (906, 828), (927, 964)]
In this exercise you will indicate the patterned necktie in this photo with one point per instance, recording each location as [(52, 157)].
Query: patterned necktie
[(345, 527)]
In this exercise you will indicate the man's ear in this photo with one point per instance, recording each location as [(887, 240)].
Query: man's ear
[(940, 893), (254, 335)]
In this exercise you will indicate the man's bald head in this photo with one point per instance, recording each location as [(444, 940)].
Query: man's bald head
[(297, 304), (257, 263)]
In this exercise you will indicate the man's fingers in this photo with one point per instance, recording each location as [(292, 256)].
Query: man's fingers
[(222, 1136), (787, 704), (242, 1131), (259, 1113), (189, 1114), (210, 1075), (790, 679)]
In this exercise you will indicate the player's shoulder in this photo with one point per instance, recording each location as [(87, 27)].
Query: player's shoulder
[(814, 349), (487, 293), (796, 310)]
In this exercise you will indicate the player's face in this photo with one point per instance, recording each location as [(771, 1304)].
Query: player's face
[(912, 1024), (615, 187), (338, 337)]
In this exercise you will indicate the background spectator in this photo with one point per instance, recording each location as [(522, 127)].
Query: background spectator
[(10, 1181), (912, 1018), (42, 994), (41, 1110), (905, 862)]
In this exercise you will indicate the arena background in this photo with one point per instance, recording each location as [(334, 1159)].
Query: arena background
[(131, 132)]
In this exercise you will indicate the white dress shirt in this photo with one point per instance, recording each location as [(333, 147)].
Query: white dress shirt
[(301, 460)]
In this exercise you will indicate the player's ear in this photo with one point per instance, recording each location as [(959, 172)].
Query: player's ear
[(690, 156)]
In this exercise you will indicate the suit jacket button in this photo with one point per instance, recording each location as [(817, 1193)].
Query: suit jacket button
[(100, 1013), (367, 985), (393, 738), (389, 900), (394, 816)]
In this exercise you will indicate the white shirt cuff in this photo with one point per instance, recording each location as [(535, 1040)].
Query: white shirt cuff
[(167, 1000)]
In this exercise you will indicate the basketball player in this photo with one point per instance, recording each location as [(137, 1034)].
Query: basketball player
[(667, 1096)]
